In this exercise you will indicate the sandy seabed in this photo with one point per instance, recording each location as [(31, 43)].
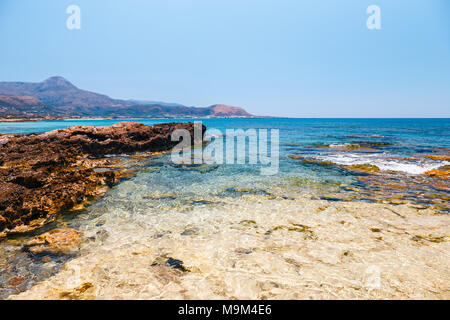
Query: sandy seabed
[(259, 248)]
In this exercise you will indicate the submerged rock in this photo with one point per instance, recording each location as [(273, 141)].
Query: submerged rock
[(16, 281), (170, 262), (360, 146), (367, 168), (364, 168), (438, 157), (438, 173), (190, 232), (57, 241), (176, 264), (44, 174)]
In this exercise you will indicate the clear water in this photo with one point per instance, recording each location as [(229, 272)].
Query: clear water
[(177, 211), (408, 140), (408, 136)]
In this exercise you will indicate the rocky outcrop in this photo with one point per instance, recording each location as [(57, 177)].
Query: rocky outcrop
[(44, 174)]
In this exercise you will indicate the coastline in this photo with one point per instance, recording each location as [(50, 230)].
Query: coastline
[(161, 230), (50, 119), (125, 118), (221, 155), (199, 118)]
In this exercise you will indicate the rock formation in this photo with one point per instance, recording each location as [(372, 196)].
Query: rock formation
[(42, 175)]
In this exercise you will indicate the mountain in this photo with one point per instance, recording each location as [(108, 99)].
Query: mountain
[(167, 104), (164, 111), (64, 96), (58, 97), (222, 110)]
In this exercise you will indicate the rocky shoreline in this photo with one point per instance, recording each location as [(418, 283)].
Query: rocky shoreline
[(43, 175)]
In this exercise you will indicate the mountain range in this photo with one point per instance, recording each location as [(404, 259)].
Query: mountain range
[(57, 97)]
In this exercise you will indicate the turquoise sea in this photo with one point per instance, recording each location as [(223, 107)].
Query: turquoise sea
[(403, 137), (400, 146)]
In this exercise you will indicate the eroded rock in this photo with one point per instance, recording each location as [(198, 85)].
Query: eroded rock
[(42, 175)]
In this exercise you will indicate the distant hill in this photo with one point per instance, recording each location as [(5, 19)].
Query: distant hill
[(22, 106), (58, 97), (222, 110), (164, 111), (167, 104), (58, 92)]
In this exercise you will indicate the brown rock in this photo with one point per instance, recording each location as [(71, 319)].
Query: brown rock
[(85, 286), (16, 281), (318, 162), (368, 168), (57, 241), (362, 146), (44, 174), (441, 174), (438, 157)]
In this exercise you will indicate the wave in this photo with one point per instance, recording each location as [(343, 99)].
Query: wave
[(384, 162)]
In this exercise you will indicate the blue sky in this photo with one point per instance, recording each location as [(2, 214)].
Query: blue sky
[(279, 57)]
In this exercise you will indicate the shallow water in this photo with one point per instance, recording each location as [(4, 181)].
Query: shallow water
[(244, 235), (405, 137), (253, 248)]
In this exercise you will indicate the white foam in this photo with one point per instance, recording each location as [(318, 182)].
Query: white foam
[(383, 162), (343, 145)]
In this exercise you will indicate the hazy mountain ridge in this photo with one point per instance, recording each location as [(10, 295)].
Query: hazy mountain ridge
[(58, 97), (22, 106), (143, 102)]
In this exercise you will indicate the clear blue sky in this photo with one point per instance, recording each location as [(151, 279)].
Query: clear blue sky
[(312, 58)]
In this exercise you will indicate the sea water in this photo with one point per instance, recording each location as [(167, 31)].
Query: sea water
[(239, 233)]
